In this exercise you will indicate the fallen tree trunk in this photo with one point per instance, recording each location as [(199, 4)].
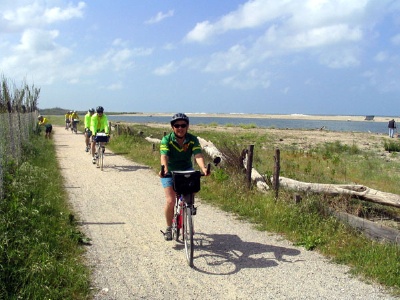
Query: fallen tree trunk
[(369, 228), (152, 140), (210, 149), (359, 191)]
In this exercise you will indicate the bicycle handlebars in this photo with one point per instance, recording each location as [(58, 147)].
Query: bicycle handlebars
[(163, 174)]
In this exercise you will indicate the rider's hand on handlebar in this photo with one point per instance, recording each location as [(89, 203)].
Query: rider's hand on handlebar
[(163, 171), (206, 171)]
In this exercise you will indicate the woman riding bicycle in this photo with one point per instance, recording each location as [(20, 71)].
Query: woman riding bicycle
[(98, 123), (176, 151)]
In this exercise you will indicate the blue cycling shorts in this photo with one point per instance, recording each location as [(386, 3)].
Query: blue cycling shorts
[(167, 182)]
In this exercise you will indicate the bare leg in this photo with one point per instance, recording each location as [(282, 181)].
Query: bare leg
[(169, 205)]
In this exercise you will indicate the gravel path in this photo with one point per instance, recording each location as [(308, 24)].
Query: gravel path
[(121, 210)]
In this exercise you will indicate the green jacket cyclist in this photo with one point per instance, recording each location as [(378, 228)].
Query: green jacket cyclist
[(176, 151), (88, 133), (98, 123)]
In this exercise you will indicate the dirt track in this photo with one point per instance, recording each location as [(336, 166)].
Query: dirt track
[(121, 211)]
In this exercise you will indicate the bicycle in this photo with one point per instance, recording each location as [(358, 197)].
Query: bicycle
[(186, 184), (74, 126), (101, 139)]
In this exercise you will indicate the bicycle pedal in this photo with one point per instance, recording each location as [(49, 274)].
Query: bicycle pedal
[(194, 211)]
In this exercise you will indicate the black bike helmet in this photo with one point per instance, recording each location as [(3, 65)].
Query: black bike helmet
[(179, 116), (99, 109), (91, 110)]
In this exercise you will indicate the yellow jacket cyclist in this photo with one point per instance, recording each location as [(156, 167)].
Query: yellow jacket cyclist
[(74, 116), (46, 123), (67, 121)]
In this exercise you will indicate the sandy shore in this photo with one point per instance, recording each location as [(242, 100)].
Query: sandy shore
[(276, 116)]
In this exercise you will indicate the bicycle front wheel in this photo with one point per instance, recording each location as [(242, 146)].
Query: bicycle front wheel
[(188, 235), (98, 148), (101, 157)]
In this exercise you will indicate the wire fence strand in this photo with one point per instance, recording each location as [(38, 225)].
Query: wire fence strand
[(18, 113)]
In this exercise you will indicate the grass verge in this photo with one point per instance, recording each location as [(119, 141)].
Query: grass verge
[(39, 244)]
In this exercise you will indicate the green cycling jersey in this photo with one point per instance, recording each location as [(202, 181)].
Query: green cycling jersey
[(180, 157)]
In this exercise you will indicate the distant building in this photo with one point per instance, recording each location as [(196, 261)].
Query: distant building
[(369, 118)]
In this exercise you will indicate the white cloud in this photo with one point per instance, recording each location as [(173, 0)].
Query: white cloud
[(235, 58), (36, 15), (56, 14), (166, 69), (253, 13), (37, 54), (159, 17), (322, 36)]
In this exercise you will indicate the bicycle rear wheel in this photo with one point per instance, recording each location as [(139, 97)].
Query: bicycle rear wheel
[(188, 235)]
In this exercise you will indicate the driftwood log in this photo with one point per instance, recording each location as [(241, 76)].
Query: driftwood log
[(369, 228), (210, 149), (358, 191), (152, 140)]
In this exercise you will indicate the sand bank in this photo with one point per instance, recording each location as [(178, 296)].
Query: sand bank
[(277, 116)]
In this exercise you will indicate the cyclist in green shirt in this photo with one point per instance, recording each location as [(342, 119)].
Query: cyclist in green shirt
[(88, 133), (176, 151), (98, 123)]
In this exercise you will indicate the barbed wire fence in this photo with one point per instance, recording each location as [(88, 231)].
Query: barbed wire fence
[(18, 114)]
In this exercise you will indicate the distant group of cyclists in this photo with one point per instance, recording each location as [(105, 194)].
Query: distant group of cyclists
[(71, 120), (95, 122)]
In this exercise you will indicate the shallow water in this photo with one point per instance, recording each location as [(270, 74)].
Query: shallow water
[(349, 126)]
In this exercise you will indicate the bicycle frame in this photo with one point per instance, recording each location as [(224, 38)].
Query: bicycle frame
[(100, 148)]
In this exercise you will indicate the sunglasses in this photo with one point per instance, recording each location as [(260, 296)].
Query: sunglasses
[(180, 125)]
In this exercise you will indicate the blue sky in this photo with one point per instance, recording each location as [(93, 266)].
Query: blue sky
[(217, 56)]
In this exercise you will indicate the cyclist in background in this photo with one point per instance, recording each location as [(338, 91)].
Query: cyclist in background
[(98, 123), (88, 133), (47, 125), (176, 151), (74, 119), (67, 120)]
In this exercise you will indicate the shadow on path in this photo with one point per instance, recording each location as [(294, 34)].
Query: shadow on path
[(225, 254)]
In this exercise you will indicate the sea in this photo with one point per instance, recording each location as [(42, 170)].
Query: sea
[(347, 126)]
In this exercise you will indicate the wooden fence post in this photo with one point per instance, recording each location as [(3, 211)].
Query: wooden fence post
[(277, 168), (249, 164)]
